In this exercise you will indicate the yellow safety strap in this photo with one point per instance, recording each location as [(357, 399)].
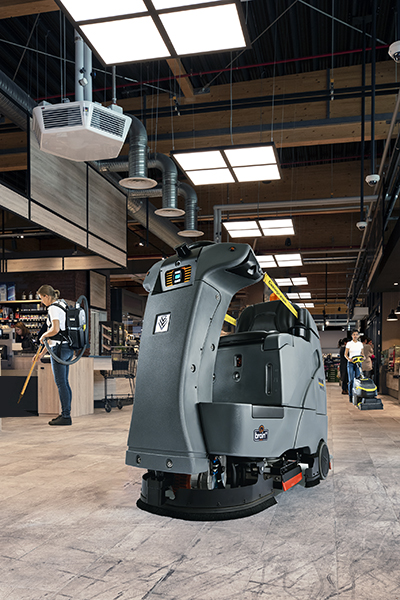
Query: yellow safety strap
[(272, 286), (230, 319)]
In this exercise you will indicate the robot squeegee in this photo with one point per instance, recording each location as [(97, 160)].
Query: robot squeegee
[(223, 425)]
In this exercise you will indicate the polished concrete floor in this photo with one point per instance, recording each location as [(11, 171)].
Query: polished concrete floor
[(70, 528)]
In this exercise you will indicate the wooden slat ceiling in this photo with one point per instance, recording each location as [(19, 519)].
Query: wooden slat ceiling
[(296, 86)]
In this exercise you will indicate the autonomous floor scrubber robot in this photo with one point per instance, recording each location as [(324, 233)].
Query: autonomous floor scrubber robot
[(223, 424), (364, 390)]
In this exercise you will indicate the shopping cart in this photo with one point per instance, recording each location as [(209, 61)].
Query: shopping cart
[(123, 362)]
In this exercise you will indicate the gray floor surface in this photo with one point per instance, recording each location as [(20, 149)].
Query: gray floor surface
[(70, 528)]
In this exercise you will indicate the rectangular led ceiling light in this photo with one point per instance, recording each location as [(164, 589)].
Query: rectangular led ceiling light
[(245, 163), (305, 295), (162, 4), (300, 280), (293, 296), (241, 233), (259, 173), (87, 10), (252, 156), (288, 260), (208, 29), (126, 31), (277, 227), (283, 282), (266, 261), (126, 40), (238, 229), (211, 176), (195, 161)]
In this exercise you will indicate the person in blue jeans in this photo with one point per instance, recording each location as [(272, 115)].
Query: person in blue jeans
[(56, 325), (353, 348)]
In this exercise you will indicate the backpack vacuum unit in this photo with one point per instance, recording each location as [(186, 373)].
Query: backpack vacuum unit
[(223, 425), (364, 390)]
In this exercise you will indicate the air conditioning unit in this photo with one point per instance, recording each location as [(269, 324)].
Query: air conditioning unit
[(81, 131)]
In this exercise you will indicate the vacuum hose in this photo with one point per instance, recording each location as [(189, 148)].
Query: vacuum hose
[(82, 303)]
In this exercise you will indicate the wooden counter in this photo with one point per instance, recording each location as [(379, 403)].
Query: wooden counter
[(81, 382)]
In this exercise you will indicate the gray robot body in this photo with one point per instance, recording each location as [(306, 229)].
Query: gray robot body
[(222, 424)]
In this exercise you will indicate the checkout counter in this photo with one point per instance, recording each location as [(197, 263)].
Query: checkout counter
[(41, 395)]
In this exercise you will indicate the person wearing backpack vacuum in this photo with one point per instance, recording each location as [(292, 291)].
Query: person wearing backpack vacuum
[(56, 318)]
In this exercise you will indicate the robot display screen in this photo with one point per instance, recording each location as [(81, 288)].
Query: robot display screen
[(178, 276)]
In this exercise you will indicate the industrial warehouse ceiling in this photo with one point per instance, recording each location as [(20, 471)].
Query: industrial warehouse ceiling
[(299, 86)]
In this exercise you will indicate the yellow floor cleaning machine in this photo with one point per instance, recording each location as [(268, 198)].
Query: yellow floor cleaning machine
[(224, 424), (364, 390)]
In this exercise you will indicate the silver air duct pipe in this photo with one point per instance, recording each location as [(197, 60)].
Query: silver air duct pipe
[(137, 159), (87, 57), (169, 185), (83, 70), (15, 104), (170, 189), (190, 197), (112, 166), (79, 67), (191, 209)]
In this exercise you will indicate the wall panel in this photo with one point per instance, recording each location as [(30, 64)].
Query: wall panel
[(76, 202), (107, 211), (57, 224), (15, 202), (58, 184)]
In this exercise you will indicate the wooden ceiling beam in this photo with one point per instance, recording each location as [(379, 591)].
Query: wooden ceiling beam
[(177, 68), (11, 8), (13, 162)]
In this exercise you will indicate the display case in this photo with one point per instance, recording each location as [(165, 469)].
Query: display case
[(390, 371), (30, 312), (112, 334), (396, 364)]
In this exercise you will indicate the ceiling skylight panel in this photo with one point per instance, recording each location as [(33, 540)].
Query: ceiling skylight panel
[(126, 40), (87, 10), (209, 29)]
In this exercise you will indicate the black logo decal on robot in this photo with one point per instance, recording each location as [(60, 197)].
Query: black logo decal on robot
[(260, 434), (162, 323)]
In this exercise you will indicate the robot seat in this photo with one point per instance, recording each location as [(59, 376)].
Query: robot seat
[(274, 317)]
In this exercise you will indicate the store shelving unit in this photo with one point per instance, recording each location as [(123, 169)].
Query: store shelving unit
[(30, 312)]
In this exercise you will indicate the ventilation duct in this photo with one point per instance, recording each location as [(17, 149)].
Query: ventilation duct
[(169, 185), (190, 197), (137, 159), (83, 70), (191, 208), (15, 104)]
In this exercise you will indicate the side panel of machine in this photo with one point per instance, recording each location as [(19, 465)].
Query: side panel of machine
[(231, 429), (312, 428), (165, 419)]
